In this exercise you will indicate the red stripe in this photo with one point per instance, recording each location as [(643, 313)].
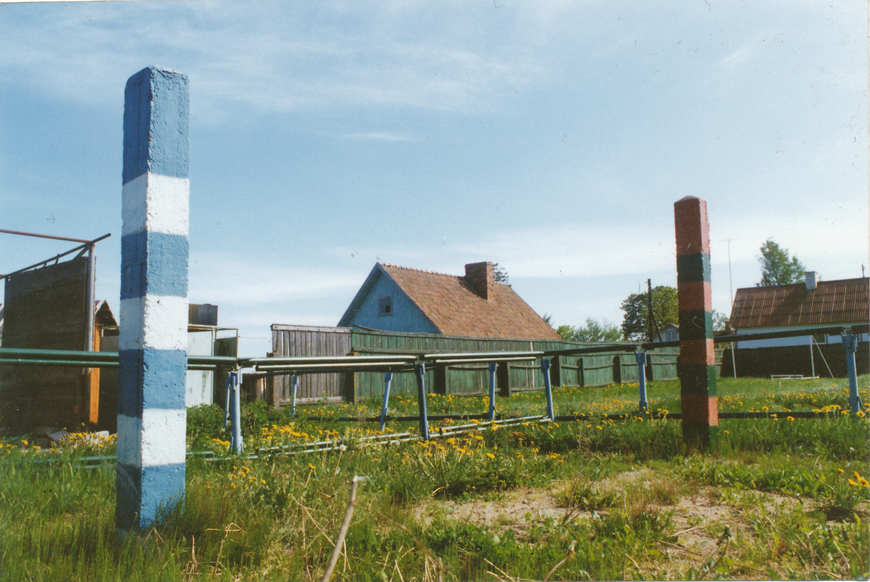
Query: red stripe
[(695, 296), (692, 228), (698, 352), (703, 409)]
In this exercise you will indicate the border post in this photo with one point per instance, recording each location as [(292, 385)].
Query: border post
[(696, 365), (152, 355)]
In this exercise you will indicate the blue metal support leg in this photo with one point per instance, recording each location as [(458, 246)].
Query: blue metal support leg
[(850, 342), (294, 388), (229, 395), (548, 389), (491, 411), (640, 357), (236, 413), (388, 379), (420, 371)]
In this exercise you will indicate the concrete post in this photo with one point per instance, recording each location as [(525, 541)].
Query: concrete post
[(696, 364), (154, 256)]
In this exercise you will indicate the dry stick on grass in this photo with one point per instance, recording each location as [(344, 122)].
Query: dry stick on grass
[(339, 542)]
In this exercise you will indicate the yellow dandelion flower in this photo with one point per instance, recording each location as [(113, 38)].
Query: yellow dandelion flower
[(312, 467), (840, 471), (490, 455)]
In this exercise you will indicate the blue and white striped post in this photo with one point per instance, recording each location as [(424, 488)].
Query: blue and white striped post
[(154, 255)]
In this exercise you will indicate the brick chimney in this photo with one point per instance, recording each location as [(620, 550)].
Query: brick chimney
[(481, 279)]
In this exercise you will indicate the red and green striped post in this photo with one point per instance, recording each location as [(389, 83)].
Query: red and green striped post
[(696, 367)]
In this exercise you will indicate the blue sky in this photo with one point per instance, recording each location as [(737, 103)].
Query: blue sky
[(550, 137)]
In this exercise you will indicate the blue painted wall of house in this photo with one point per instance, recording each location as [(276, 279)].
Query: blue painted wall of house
[(406, 316)]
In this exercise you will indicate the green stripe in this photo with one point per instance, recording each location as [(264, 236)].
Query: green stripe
[(695, 325), (697, 380), (693, 268)]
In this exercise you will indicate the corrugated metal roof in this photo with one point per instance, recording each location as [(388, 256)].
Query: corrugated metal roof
[(451, 303), (832, 302)]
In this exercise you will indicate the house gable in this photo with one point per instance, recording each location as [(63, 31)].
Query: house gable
[(382, 304)]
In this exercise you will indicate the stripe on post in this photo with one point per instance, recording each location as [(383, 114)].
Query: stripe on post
[(152, 354), (696, 367)]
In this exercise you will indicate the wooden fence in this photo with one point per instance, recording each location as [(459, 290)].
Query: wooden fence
[(461, 379)]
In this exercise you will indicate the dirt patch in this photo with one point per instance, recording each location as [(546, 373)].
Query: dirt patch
[(514, 510)]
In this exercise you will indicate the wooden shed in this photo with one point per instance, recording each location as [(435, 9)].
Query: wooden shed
[(46, 308)]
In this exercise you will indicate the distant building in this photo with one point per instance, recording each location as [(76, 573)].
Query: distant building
[(811, 304), (399, 299), (671, 333)]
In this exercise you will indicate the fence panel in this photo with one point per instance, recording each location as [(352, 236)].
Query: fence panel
[(299, 341)]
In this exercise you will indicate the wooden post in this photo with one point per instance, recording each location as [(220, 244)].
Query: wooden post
[(696, 365), (152, 351)]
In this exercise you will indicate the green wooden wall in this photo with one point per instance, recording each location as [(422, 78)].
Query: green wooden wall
[(467, 379)]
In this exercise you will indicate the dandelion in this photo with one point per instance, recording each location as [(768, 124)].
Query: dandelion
[(840, 471), (490, 455), (860, 414), (312, 467), (790, 418)]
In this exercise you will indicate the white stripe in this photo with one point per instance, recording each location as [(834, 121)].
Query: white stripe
[(156, 203), (157, 439), (162, 319)]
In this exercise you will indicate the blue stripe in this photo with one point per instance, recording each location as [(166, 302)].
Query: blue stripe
[(144, 492), (150, 378), (154, 263), (156, 124)]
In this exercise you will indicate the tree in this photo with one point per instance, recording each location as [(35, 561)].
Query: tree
[(500, 274), (777, 267), (592, 332), (665, 311), (720, 321), (604, 332)]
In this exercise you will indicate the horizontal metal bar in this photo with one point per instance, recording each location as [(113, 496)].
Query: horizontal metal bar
[(594, 350), (481, 355), (484, 360), (287, 362), (23, 353), (832, 330), (58, 363), (332, 369)]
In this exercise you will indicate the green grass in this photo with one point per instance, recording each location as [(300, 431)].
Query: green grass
[(792, 496)]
